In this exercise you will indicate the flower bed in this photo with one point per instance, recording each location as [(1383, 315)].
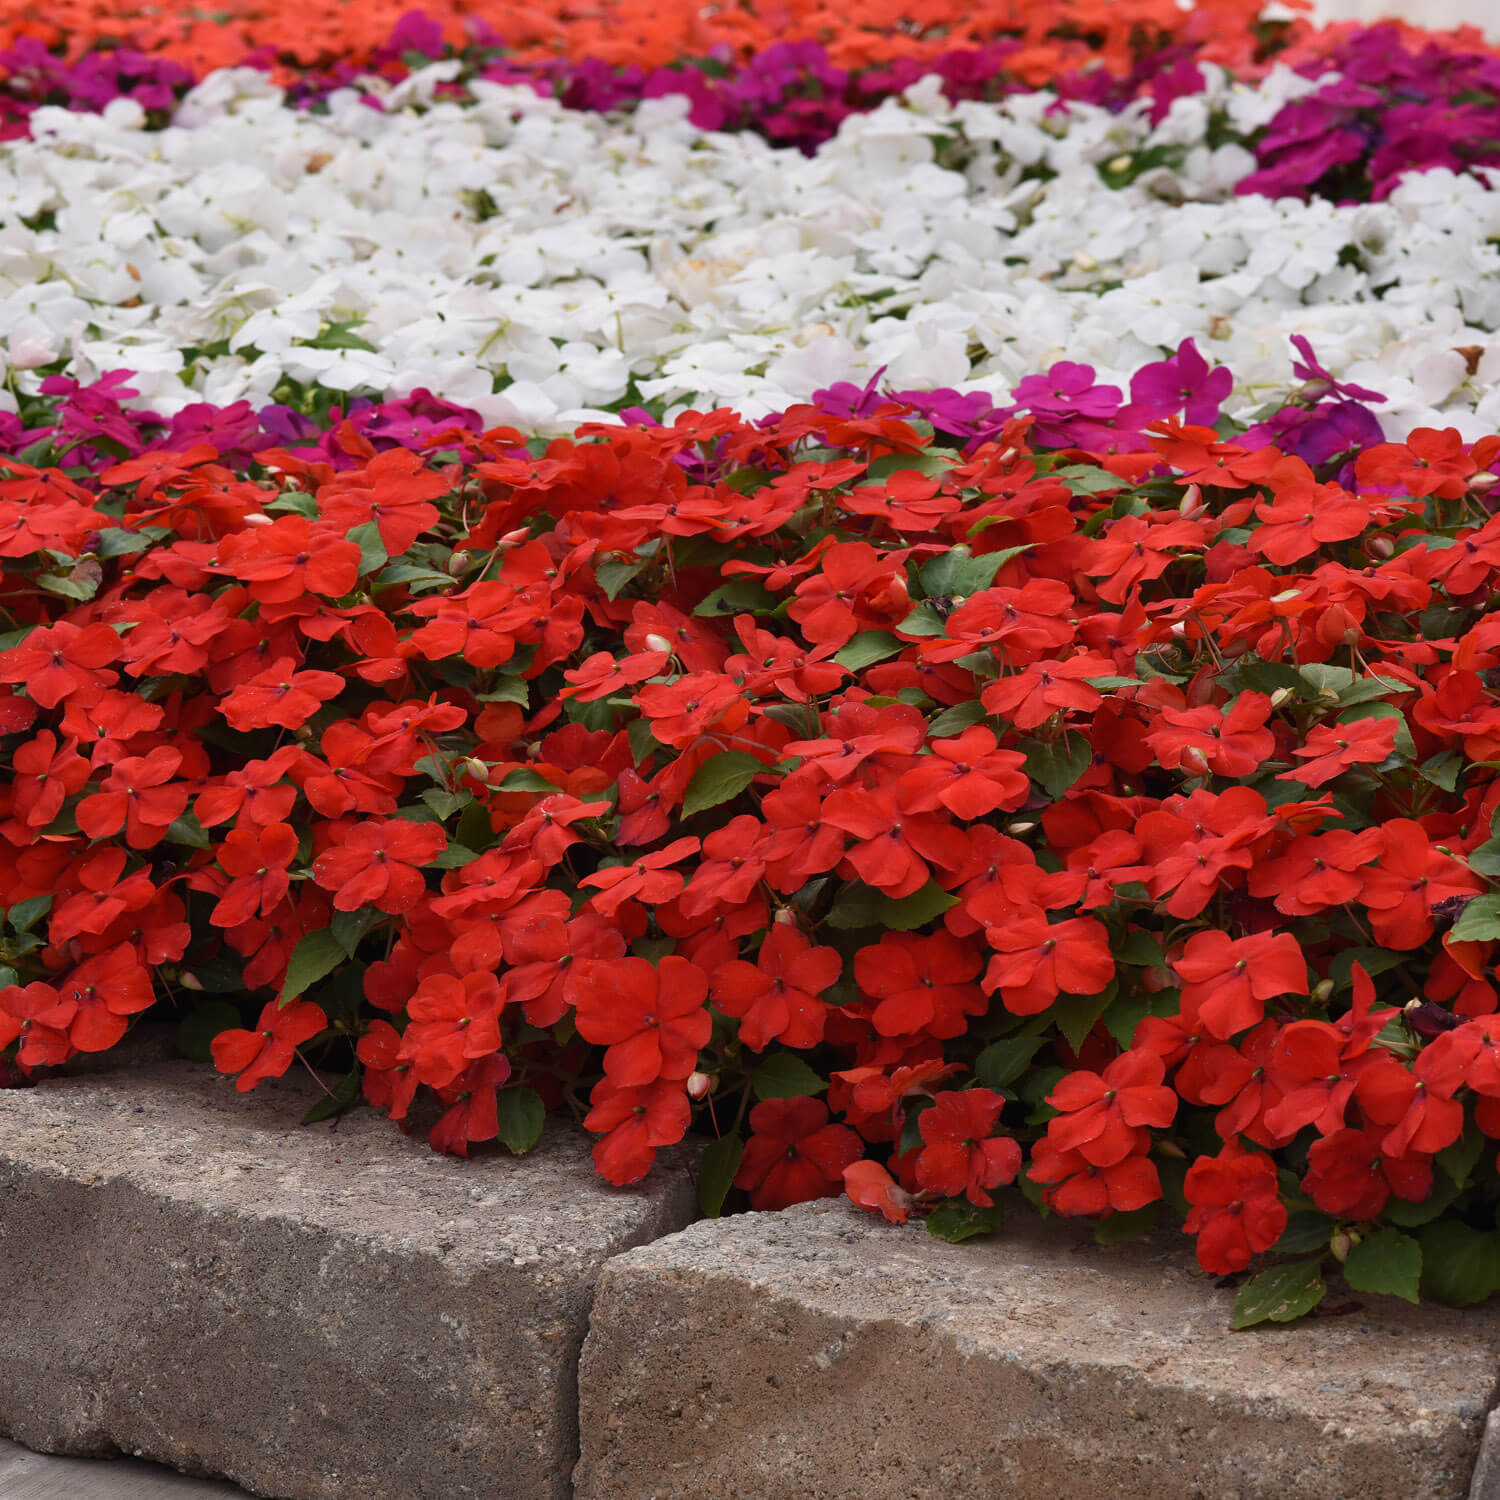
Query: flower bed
[(1006, 751)]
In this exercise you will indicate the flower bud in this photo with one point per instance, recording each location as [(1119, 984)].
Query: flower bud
[(1195, 761), (1342, 1243), (514, 538), (1280, 696), (786, 916), (1085, 262), (1380, 546), (1322, 990), (1022, 827), (1119, 163), (699, 1085), (1483, 482), (660, 643), (189, 981), (1172, 1149), (476, 768), (258, 518), (458, 564), (1191, 505)]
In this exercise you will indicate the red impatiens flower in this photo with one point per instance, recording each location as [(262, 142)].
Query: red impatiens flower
[(63, 661), (893, 850), (1237, 1212), (1103, 1117), (967, 775), (1075, 1187), (1039, 960), (40, 1017), (1411, 878), (139, 796), (1351, 1177), (959, 1152), (256, 861), (921, 983), (1227, 981), (1331, 749), (652, 1020), (794, 1155), (292, 557), (781, 994), (267, 1051), (649, 878), (378, 863), (47, 774), (635, 1122), (473, 1112), (870, 1186), (280, 696), (1200, 740)]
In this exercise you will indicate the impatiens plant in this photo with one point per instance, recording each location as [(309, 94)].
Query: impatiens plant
[(1103, 817)]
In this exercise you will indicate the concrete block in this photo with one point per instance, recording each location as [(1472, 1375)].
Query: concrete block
[(324, 1311), (822, 1354)]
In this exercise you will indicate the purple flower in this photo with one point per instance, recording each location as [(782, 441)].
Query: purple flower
[(1322, 382), (1184, 383), (1068, 390)]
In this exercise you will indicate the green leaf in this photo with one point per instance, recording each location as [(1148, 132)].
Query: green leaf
[(189, 831), (1414, 1215), (508, 690), (1088, 479), (1388, 1262), (345, 1094), (783, 1075), (372, 553), (1460, 1159), (955, 720), (521, 1114), (1460, 1265), (1442, 770), (349, 927), (923, 620), (1133, 1006), (719, 779), (958, 1220), (1075, 1015), (1372, 960), (224, 975), (1057, 764), (445, 803), (197, 1029), (740, 596), (317, 955), (1485, 860), (340, 336), (1140, 949), (1281, 1295), (454, 857), (24, 915), (860, 905), (527, 781), (417, 578), (868, 647), (1004, 1061), (716, 1169), (613, 576), (898, 463), (1306, 1230), (114, 541), (1479, 921), (958, 573)]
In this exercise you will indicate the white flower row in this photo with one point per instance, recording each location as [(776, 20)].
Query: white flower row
[(544, 266)]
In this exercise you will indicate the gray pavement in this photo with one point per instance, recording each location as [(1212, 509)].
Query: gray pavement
[(25, 1475)]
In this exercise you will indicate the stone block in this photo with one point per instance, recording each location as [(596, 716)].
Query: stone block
[(822, 1354), (323, 1311)]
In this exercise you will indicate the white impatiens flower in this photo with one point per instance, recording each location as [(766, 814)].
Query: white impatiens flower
[(544, 266)]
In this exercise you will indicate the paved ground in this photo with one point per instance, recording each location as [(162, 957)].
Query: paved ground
[(36, 1476)]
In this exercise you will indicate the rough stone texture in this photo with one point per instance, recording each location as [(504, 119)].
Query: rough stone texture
[(821, 1354), (1486, 1483), (314, 1312)]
